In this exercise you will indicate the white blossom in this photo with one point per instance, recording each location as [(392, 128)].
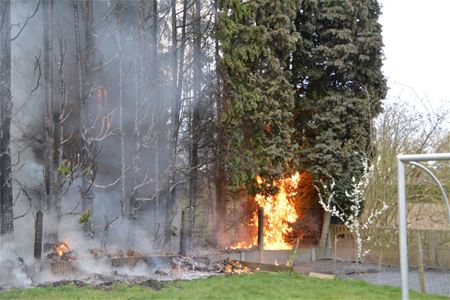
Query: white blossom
[(351, 219)]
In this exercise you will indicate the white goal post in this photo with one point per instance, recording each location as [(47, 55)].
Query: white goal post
[(412, 159)]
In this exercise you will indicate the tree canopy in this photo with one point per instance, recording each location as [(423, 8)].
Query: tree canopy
[(302, 83), (337, 72), (256, 39)]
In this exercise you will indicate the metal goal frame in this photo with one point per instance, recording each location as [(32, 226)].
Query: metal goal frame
[(402, 161)]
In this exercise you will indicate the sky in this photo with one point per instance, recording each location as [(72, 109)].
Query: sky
[(416, 35)]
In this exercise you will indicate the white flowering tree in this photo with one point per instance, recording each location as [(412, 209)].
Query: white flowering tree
[(351, 217)]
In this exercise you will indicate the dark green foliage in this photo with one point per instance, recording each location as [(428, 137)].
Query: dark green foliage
[(256, 39), (337, 71)]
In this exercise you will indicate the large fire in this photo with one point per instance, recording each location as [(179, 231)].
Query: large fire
[(279, 214)]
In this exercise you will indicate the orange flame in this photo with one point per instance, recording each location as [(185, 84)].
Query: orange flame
[(279, 214), (241, 245), (61, 248), (234, 267)]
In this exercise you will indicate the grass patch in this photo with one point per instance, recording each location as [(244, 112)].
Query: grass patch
[(248, 286)]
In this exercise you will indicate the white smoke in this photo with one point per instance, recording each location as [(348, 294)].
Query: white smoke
[(13, 269)]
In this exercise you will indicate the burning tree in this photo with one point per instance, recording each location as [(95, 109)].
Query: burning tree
[(162, 106), (285, 214), (279, 212), (337, 102)]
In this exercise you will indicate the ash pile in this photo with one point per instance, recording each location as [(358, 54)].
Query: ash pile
[(63, 266), (204, 264), (179, 268)]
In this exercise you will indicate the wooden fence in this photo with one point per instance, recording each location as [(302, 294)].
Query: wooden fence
[(384, 249)]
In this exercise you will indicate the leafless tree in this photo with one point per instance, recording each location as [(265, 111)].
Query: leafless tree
[(96, 128), (49, 103), (6, 197), (177, 87)]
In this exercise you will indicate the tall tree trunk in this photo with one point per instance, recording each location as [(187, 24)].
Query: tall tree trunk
[(157, 110), (177, 88), (325, 229), (6, 198), (139, 99), (123, 163), (48, 85), (173, 131), (195, 125), (220, 175), (59, 129), (83, 68), (88, 18)]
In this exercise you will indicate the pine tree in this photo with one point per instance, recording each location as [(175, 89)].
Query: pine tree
[(337, 70), (256, 39)]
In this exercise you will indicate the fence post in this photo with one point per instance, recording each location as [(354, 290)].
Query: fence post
[(420, 263), (260, 232), (432, 245), (38, 235), (335, 254), (183, 246)]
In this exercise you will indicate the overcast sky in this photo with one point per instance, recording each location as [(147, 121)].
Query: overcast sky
[(416, 36)]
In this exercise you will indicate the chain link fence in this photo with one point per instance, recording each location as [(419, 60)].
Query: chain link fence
[(428, 258)]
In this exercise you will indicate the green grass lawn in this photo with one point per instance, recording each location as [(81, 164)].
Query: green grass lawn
[(248, 286)]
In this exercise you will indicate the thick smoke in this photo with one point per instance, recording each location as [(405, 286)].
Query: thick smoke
[(27, 146), (127, 88)]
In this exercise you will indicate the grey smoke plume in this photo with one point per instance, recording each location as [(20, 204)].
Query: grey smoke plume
[(116, 32)]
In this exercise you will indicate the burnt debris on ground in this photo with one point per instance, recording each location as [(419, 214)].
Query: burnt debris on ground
[(150, 271)]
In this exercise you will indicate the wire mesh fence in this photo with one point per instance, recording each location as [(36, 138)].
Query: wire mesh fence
[(428, 258)]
